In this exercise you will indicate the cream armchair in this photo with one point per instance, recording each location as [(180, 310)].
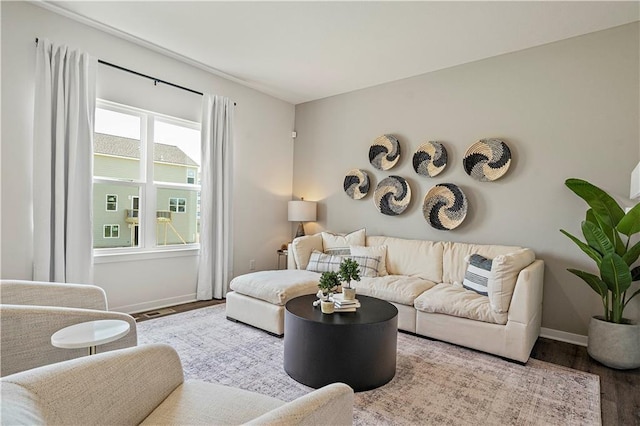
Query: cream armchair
[(145, 385), (31, 311)]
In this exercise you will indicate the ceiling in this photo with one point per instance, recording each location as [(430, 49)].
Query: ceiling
[(303, 51)]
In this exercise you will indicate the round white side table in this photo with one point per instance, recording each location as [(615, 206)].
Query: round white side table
[(89, 334)]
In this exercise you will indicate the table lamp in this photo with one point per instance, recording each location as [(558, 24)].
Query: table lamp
[(301, 211)]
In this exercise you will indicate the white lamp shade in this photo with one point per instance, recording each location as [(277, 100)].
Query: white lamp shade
[(302, 211)]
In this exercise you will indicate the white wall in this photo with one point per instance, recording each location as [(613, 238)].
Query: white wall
[(263, 153), (567, 109)]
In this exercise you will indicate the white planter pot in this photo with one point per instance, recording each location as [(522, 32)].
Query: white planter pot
[(327, 307), (348, 293), (614, 345)]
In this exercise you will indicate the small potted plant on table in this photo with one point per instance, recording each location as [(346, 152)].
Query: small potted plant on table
[(329, 281), (349, 270)]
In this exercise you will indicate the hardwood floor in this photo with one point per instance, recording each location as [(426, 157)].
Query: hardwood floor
[(619, 390)]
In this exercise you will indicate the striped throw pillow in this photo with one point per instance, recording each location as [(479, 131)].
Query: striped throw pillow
[(338, 251), (478, 273), (321, 262), (368, 265)]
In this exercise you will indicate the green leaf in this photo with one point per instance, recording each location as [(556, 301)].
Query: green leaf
[(611, 232), (632, 254), (632, 296), (593, 280), (596, 238), (616, 274), (630, 223), (601, 202), (592, 253), (635, 274)]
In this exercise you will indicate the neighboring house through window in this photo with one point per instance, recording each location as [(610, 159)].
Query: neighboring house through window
[(144, 157)]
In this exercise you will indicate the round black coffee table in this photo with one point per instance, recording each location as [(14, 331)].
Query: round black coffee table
[(356, 348)]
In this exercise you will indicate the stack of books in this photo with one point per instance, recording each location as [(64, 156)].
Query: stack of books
[(342, 305)]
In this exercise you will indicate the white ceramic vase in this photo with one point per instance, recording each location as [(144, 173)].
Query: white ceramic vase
[(348, 293), (327, 306)]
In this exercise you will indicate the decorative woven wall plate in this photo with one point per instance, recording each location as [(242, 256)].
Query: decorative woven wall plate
[(356, 184), (392, 196), (445, 206), (487, 160), (385, 152), (430, 159)]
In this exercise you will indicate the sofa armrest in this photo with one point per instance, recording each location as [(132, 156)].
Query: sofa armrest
[(329, 405), (291, 262), (20, 292), (25, 341), (526, 302), (98, 389)]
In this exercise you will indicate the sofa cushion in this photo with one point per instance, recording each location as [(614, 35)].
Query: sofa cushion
[(477, 276), (373, 251), (201, 403), (454, 265), (276, 287), (504, 273), (412, 257), (339, 243), (393, 288), (455, 300), (303, 247)]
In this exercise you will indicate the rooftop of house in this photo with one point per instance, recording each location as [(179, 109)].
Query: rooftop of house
[(130, 148)]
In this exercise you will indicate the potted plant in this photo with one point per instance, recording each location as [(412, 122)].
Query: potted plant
[(607, 230), (329, 281), (349, 270)]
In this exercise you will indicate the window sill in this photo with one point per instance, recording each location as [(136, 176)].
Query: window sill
[(126, 255)]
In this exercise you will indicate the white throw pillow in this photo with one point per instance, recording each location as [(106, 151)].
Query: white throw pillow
[(339, 243), (373, 251), (303, 247), (504, 273)]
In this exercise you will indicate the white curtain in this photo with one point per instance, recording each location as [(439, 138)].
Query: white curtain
[(216, 237), (62, 164)]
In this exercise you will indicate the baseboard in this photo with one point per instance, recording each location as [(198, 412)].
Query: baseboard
[(155, 304), (563, 336)]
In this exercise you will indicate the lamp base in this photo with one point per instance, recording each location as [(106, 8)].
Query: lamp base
[(300, 231)]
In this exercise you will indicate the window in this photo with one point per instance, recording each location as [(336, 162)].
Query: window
[(112, 203), (149, 160), (177, 205), (111, 231), (191, 176)]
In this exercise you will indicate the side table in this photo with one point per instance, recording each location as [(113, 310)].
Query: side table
[(89, 334), (281, 254)]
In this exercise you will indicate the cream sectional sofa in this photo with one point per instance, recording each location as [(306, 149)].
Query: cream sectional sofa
[(424, 281)]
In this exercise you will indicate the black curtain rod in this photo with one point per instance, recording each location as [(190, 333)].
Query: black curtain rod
[(139, 74), (155, 80)]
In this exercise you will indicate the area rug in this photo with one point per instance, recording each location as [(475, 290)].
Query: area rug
[(435, 382)]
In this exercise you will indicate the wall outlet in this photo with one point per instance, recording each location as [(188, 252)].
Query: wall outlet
[(252, 265)]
